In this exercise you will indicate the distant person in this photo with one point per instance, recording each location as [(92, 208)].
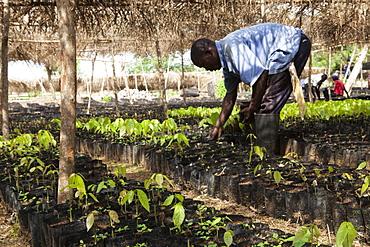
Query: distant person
[(338, 90), (316, 82), (259, 56)]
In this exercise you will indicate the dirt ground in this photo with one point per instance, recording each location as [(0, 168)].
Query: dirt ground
[(11, 234)]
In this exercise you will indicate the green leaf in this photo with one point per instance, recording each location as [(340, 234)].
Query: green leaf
[(257, 168), (159, 179), (122, 171), (129, 197), (111, 183), (182, 138), (168, 181), (75, 181), (178, 214), (180, 197), (90, 220), (300, 234), (143, 198), (147, 183), (101, 186), (362, 165), (316, 232), (216, 221), (214, 117), (93, 197), (330, 169), (346, 235), (228, 237), (258, 150), (364, 188), (122, 197), (40, 162), (168, 200), (277, 177)]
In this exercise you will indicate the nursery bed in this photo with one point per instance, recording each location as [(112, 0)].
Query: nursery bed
[(323, 196)]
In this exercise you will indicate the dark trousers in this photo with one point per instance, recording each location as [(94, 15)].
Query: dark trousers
[(279, 86), (332, 94)]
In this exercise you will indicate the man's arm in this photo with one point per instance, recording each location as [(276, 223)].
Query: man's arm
[(259, 89), (227, 107)]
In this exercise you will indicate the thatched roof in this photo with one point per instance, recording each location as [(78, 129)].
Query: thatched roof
[(113, 26)]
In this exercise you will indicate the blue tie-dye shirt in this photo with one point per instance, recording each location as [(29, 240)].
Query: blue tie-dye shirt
[(247, 52)]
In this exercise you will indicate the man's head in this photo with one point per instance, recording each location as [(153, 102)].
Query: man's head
[(324, 77), (335, 77), (204, 54)]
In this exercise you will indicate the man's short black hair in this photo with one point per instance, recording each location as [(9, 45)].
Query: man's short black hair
[(199, 47)]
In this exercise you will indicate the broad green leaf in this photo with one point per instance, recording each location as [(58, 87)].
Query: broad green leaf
[(90, 220), (346, 235), (147, 183), (180, 197), (101, 186), (111, 183), (122, 197), (168, 200), (129, 197), (214, 117), (300, 234), (122, 171), (257, 168), (180, 137), (364, 188), (216, 221), (75, 181), (159, 179), (143, 198), (228, 237), (277, 177), (316, 232), (362, 165), (178, 214), (258, 150)]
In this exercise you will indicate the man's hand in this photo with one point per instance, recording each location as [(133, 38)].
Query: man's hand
[(215, 134), (247, 115)]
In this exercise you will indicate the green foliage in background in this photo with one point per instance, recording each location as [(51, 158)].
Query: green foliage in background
[(327, 109), (320, 59), (220, 89)]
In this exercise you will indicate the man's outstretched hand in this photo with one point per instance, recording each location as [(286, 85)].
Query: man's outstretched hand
[(215, 134), (247, 115)]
